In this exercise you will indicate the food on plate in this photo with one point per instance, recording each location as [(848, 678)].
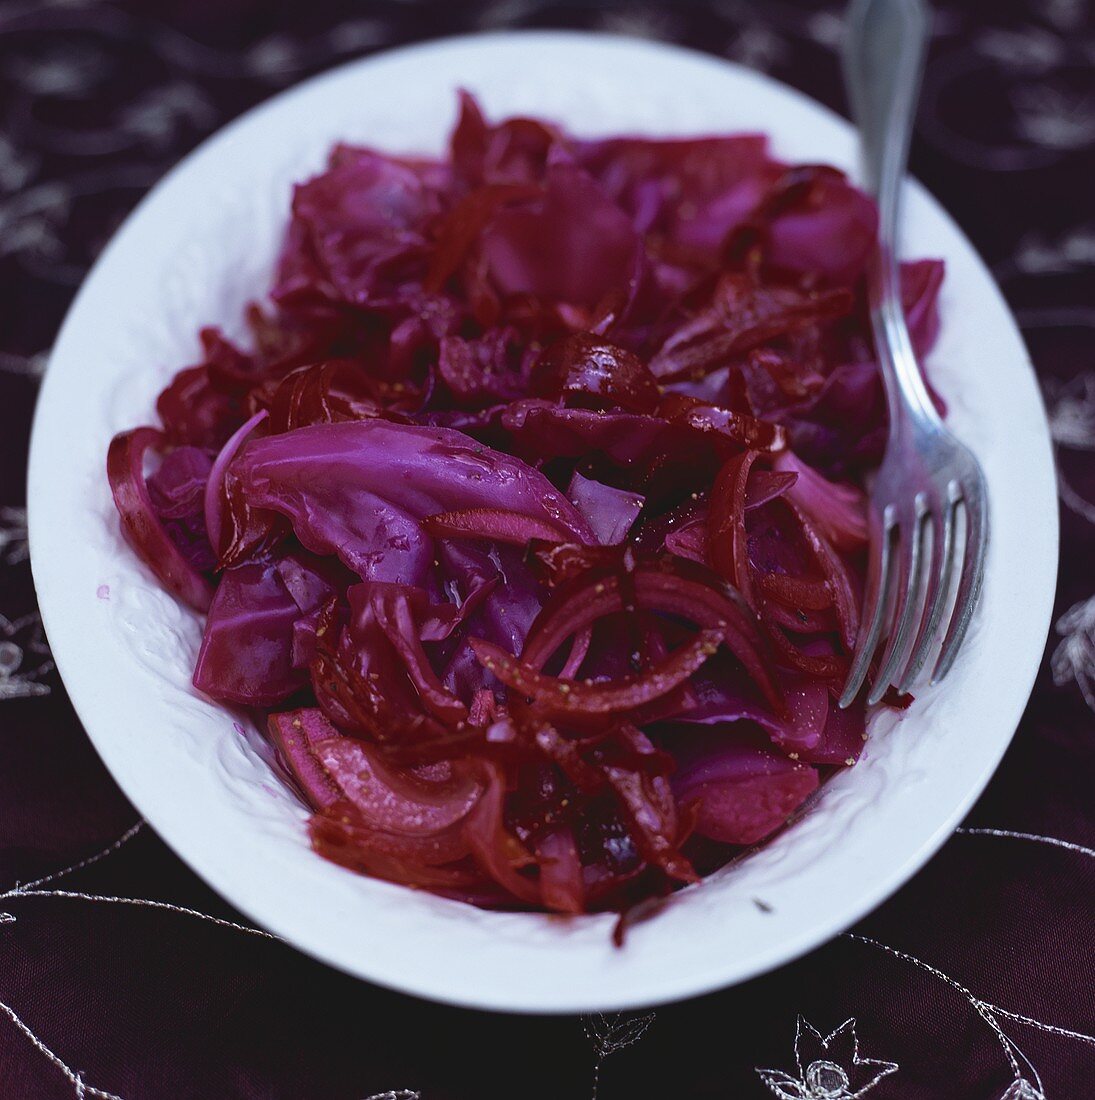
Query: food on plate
[(530, 514)]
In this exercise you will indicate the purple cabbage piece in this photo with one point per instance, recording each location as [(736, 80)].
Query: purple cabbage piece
[(503, 619), (690, 191), (610, 512), (921, 281), (842, 429), (544, 428), (177, 492), (838, 511), (484, 369), (177, 488), (357, 230), (361, 490), (742, 790), (246, 652), (833, 238), (252, 650), (573, 246), (843, 737), (815, 729), (721, 697)]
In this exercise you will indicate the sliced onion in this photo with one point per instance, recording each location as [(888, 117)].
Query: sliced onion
[(649, 808), (295, 734), (496, 850), (806, 593), (589, 598), (338, 834), (393, 613), (689, 541), (574, 698), (578, 652), (826, 666), (141, 527), (566, 754), (727, 544), (398, 802), (214, 487), (766, 485), (740, 429), (836, 577), (498, 526), (560, 871)]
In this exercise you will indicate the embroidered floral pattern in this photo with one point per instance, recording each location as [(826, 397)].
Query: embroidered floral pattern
[(24, 658), (1022, 1090), (829, 1066), (1073, 660), (612, 1032), (13, 536)]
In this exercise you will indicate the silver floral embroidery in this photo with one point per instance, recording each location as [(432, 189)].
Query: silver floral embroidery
[(358, 34), (1052, 118), (829, 1067), (1049, 841), (396, 1094), (30, 366), (1048, 119), (160, 117), (17, 166), (20, 889), (1037, 254), (81, 1087), (505, 13), (274, 58), (641, 21), (758, 47), (66, 71), (29, 221), (1070, 407), (1065, 15), (32, 890), (1030, 49), (1073, 660), (1022, 1089), (24, 658), (1071, 410), (993, 1014), (826, 28), (13, 535), (33, 221), (610, 1032)]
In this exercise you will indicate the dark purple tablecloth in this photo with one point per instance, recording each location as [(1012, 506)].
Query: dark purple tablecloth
[(974, 983)]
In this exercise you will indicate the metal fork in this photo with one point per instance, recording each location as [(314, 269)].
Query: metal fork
[(927, 476)]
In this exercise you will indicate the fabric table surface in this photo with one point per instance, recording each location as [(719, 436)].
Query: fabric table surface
[(122, 975)]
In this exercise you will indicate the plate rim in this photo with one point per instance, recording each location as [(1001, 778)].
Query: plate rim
[(882, 887)]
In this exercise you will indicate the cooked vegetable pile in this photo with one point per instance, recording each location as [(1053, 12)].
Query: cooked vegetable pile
[(532, 516)]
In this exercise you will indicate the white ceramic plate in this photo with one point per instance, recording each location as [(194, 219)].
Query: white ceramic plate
[(201, 245)]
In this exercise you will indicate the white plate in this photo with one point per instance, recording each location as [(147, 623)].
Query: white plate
[(201, 245)]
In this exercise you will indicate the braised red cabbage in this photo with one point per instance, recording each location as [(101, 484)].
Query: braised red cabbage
[(532, 516)]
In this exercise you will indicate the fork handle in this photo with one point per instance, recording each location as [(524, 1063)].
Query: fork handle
[(884, 50)]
